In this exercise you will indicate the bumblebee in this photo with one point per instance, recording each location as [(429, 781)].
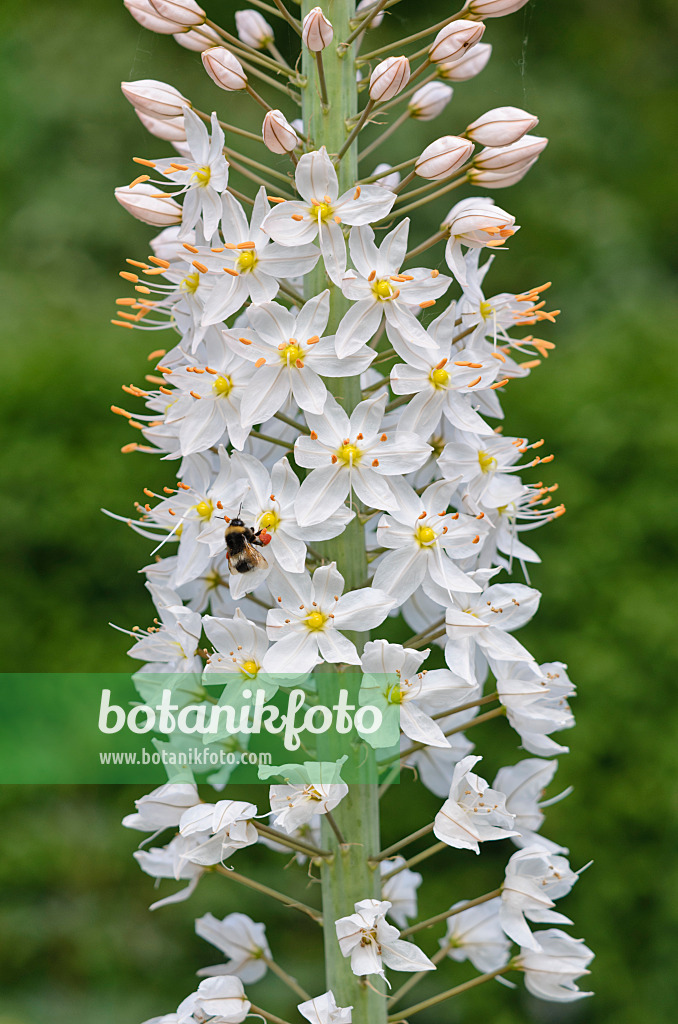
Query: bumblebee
[(240, 550)]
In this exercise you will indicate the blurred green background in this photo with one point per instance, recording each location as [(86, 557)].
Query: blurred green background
[(76, 940)]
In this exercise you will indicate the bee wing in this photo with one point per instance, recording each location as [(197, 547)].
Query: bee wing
[(257, 558), (250, 555)]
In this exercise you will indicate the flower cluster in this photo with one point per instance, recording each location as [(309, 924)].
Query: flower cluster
[(326, 380)]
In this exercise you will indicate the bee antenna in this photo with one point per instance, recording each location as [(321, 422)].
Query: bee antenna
[(240, 509)]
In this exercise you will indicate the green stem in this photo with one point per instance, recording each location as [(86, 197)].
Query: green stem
[(385, 134), (430, 921), (442, 996), (266, 890)]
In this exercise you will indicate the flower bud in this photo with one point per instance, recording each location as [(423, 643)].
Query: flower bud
[(443, 157), (363, 8), (253, 29), (500, 179), (198, 41), (478, 220), (389, 78), (278, 134), (429, 101), (317, 31), (389, 179), (183, 12), (510, 158), (467, 66), (494, 8), (147, 16), (170, 129), (224, 68), (454, 39), (156, 99), (145, 203), (502, 126)]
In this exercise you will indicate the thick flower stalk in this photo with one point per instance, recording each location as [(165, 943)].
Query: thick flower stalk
[(332, 382)]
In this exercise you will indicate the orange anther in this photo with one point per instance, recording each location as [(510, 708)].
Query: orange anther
[(375, 462), (473, 383), (138, 181), (191, 248), (159, 263), (157, 353), (228, 270), (194, 394), (313, 435), (372, 275), (165, 391), (144, 163), (260, 362), (356, 194), (500, 383), (246, 245), (245, 341), (129, 277), (200, 266), (297, 216)]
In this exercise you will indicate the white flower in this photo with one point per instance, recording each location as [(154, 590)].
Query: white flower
[(352, 454), (424, 538), (221, 999), (523, 785), (400, 890), (324, 1010), (487, 465), (239, 938), (171, 862), (533, 876), (173, 644), (144, 203), (269, 505), (298, 804), (379, 290), (372, 944), (248, 265), (475, 934), (473, 813), (202, 178), (289, 353), (535, 700), (163, 807), (475, 223), (552, 972), (220, 828), (309, 615), (323, 211), (240, 647)]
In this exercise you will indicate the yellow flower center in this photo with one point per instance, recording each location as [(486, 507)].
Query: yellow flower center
[(425, 535), (486, 309), (394, 694), (322, 210), (439, 377), (269, 521), (315, 621), (247, 260), (291, 353), (250, 668), (383, 289), (486, 461), (223, 385), (348, 453), (190, 283), (204, 509), (213, 580), (202, 176)]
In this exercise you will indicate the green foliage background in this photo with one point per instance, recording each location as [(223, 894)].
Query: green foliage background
[(598, 218)]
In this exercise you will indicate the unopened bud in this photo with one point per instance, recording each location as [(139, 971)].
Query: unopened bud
[(494, 8), (317, 31), (363, 9), (147, 16), (145, 203), (224, 68), (183, 12), (510, 158), (454, 39), (389, 78), (443, 157), (198, 40), (388, 178), (502, 126), (500, 179), (253, 29), (477, 221), (278, 134), (467, 66), (429, 101), (156, 99), (170, 129)]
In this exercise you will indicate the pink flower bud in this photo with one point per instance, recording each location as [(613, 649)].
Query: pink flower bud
[(429, 101), (317, 31), (363, 9), (183, 12), (502, 126), (200, 40), (253, 29), (156, 99), (510, 158), (278, 134), (145, 203), (494, 8), (467, 66), (443, 157), (147, 16), (224, 68), (453, 40), (170, 129), (500, 179), (389, 78)]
